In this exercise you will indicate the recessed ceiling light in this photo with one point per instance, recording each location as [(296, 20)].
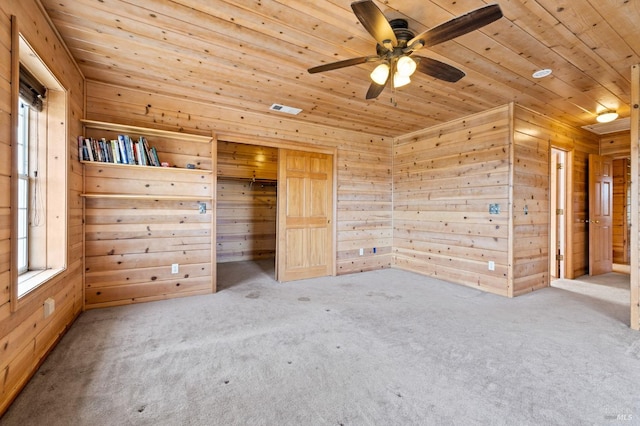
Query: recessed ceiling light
[(542, 73)]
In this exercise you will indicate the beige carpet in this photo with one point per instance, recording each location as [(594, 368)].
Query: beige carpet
[(380, 348)]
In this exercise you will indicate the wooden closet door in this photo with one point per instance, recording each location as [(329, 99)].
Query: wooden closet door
[(600, 214), (305, 215)]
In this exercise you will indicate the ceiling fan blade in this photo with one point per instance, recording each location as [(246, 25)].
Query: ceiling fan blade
[(458, 26), (438, 69), (374, 21), (343, 64), (374, 90)]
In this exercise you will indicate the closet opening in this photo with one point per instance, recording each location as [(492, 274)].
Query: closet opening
[(246, 211)]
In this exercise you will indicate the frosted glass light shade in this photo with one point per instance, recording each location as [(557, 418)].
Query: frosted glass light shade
[(606, 116), (406, 66), (400, 80), (380, 74)]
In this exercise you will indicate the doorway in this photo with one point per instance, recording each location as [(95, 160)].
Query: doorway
[(246, 203), (558, 209), (607, 292), (609, 214), (274, 208)]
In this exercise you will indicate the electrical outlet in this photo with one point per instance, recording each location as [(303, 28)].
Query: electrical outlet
[(492, 265), (49, 307), (175, 268), (361, 252)]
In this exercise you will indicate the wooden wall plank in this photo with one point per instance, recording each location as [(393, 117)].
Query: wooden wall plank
[(616, 145), (25, 351), (246, 220)]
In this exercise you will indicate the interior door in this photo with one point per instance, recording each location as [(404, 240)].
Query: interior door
[(600, 214), (305, 215)]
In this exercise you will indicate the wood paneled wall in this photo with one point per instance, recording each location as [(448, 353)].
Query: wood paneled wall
[(25, 335), (245, 161), (246, 202), (616, 145), (445, 179), (531, 207), (130, 245), (246, 220), (363, 160), (132, 240)]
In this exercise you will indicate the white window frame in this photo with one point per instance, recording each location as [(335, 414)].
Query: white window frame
[(23, 187)]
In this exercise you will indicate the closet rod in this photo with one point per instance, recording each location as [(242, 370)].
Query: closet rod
[(252, 180)]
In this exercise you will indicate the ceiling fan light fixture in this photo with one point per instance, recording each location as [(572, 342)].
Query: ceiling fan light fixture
[(406, 66), (606, 116), (380, 74), (400, 80)]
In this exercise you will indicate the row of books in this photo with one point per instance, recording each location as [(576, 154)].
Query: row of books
[(123, 150)]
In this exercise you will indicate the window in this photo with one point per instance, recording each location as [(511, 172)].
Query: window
[(39, 165), (23, 187)]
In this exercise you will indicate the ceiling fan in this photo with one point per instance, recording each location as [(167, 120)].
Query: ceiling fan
[(396, 44)]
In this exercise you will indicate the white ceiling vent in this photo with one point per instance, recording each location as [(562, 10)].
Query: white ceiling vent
[(618, 125), (285, 109)]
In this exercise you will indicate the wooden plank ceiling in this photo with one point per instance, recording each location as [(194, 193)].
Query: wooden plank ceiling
[(247, 55)]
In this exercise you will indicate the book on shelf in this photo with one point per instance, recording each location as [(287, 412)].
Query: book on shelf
[(83, 152), (131, 154), (115, 151), (154, 155), (89, 146), (123, 150)]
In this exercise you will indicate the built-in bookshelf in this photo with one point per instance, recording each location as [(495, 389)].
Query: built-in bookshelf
[(123, 150), (141, 219), (174, 149)]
